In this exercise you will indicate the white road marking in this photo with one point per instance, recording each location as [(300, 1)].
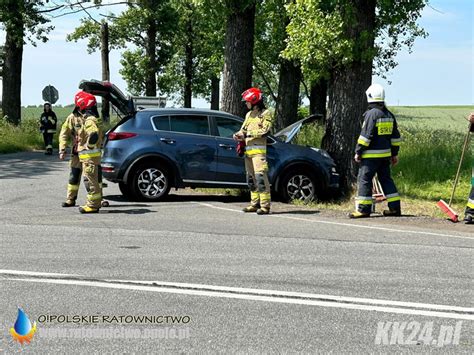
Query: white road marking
[(34, 273), (219, 208), (252, 297), (334, 301), (344, 224)]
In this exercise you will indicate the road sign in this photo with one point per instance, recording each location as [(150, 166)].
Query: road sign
[(50, 94)]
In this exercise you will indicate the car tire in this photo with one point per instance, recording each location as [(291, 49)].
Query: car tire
[(126, 191), (150, 182), (298, 185)]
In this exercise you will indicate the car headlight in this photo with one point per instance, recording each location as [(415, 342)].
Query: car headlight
[(322, 152)]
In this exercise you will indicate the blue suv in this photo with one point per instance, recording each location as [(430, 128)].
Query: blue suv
[(151, 151)]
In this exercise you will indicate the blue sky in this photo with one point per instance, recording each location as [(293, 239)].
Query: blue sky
[(440, 69), (438, 72)]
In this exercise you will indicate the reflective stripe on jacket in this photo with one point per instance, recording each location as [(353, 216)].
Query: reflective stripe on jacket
[(86, 133), (255, 129), (379, 137)]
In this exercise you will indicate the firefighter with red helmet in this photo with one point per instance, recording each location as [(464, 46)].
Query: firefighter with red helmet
[(254, 131), (88, 146), (69, 130)]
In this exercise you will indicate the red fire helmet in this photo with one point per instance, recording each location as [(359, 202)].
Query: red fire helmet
[(252, 95), (84, 100)]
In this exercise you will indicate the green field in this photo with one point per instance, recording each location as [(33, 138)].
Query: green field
[(433, 138), (34, 112), (451, 118), (27, 136)]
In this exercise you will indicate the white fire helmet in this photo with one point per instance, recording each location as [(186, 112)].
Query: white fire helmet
[(375, 93)]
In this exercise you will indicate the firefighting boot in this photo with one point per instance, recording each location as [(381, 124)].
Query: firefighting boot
[(358, 214), (87, 209), (392, 213), (469, 218), (250, 209), (69, 203), (263, 210)]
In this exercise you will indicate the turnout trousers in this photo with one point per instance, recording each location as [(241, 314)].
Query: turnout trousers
[(48, 140), (92, 176), (368, 169), (74, 178), (256, 167)]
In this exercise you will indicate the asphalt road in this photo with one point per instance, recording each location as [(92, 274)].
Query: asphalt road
[(298, 280)]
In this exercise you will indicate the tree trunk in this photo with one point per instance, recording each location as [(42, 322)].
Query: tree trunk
[(215, 93), (288, 94), (238, 57), (188, 65), (13, 57), (150, 79), (317, 97), (104, 49), (347, 101)]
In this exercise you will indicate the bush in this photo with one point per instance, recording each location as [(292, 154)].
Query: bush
[(25, 136), (428, 163)]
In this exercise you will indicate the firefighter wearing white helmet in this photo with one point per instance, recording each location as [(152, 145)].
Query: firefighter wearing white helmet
[(375, 93), (377, 147)]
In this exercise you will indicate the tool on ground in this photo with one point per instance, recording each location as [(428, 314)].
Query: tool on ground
[(446, 207), (378, 196)]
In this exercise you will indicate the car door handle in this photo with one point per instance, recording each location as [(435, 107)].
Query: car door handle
[(226, 146), (168, 140)]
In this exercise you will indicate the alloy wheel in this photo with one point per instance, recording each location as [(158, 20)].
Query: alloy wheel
[(300, 187), (152, 183)]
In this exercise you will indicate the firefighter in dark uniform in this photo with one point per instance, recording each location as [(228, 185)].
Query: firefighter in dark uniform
[(48, 122), (469, 213), (377, 148), (254, 131)]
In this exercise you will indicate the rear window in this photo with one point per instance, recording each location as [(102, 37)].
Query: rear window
[(182, 123), (162, 123)]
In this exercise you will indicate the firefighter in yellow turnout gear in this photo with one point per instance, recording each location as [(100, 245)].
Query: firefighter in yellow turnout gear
[(85, 128), (254, 130), (69, 129)]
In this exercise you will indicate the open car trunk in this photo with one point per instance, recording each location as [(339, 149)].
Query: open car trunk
[(109, 91)]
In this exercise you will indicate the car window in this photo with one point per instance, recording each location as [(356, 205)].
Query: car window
[(190, 124), (226, 127), (162, 123)]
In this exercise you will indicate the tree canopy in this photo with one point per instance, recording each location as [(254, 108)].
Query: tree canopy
[(317, 34)]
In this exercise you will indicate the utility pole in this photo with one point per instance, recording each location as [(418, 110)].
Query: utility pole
[(104, 51)]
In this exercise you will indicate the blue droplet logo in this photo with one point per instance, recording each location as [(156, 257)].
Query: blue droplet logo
[(22, 325), (22, 331)]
